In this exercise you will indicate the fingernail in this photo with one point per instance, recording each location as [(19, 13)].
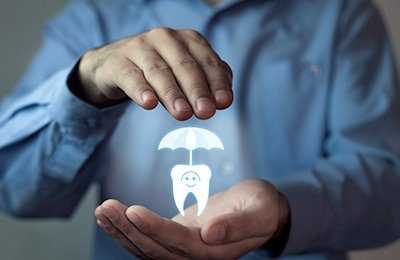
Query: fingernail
[(222, 96), (135, 219), (217, 234), (205, 104), (110, 213), (103, 222), (181, 105), (99, 223), (147, 96)]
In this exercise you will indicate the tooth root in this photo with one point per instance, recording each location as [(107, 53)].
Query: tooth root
[(179, 198), (202, 198), (180, 192), (201, 192)]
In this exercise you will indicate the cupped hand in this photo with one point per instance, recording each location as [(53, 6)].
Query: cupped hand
[(178, 68), (234, 223)]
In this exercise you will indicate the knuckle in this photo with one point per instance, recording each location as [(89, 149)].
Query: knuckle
[(196, 36), (197, 90), (141, 89), (111, 65), (131, 71), (90, 62), (155, 65), (158, 68), (162, 31), (186, 63), (111, 61), (212, 60), (137, 41), (171, 92), (218, 84)]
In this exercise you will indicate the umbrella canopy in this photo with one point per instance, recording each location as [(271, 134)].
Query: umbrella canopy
[(191, 138)]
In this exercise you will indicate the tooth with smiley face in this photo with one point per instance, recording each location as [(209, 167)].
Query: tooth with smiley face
[(193, 179)]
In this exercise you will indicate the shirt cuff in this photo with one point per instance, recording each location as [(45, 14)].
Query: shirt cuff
[(82, 127), (77, 115), (306, 201), (275, 246)]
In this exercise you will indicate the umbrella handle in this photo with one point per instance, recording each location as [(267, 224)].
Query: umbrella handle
[(191, 143)]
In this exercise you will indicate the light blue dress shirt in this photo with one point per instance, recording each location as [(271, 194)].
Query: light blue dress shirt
[(316, 113)]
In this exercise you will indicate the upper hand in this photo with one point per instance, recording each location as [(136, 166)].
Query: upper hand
[(176, 67), (234, 222)]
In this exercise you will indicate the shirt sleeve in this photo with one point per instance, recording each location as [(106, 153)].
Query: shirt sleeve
[(47, 134), (350, 199)]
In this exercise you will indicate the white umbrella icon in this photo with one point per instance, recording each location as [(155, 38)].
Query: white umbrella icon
[(191, 138)]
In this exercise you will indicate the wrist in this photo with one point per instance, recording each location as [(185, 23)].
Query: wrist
[(277, 243), (82, 87), (284, 215)]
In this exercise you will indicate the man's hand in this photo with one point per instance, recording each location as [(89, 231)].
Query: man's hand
[(234, 222), (176, 67)]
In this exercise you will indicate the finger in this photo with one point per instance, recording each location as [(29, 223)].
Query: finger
[(115, 212), (183, 241), (237, 226), (160, 76), (106, 225), (217, 72), (229, 70), (131, 81), (177, 238), (187, 72)]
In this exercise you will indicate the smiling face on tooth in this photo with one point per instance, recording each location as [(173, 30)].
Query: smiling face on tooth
[(190, 179), (186, 179)]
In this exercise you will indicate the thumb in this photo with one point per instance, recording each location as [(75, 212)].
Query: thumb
[(237, 226)]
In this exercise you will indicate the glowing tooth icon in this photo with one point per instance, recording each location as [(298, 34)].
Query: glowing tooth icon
[(191, 178)]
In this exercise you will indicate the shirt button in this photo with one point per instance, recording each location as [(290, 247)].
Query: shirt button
[(92, 122), (315, 69), (226, 167)]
